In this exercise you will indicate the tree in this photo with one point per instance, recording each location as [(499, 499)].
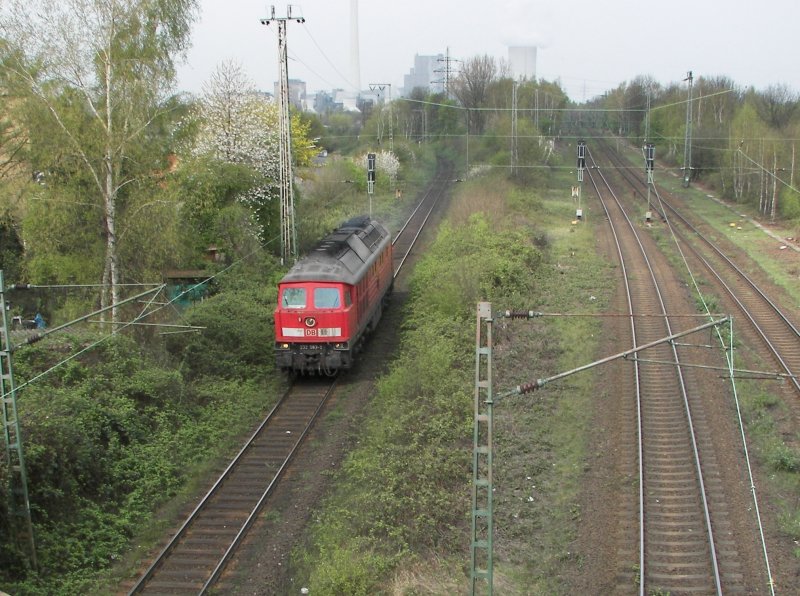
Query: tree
[(238, 125), (777, 105), (101, 69), (13, 137), (471, 87)]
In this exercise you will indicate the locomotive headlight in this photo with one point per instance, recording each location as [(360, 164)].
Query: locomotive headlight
[(310, 321)]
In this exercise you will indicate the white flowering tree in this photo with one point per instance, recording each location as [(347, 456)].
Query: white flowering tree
[(239, 125), (386, 164)]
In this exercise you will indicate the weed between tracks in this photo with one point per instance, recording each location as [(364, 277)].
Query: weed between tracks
[(399, 518)]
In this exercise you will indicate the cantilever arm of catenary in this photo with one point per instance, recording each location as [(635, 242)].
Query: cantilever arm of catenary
[(43, 334), (539, 383)]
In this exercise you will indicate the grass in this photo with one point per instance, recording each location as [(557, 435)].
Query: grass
[(763, 411), (542, 437)]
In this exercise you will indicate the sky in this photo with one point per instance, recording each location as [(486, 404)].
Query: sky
[(590, 46)]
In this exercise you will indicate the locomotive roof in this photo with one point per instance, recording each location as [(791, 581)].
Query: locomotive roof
[(344, 254)]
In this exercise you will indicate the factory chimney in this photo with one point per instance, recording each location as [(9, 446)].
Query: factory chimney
[(355, 64)]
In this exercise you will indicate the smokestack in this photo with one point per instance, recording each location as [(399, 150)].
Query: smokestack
[(355, 64)]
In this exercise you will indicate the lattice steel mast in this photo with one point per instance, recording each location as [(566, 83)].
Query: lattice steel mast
[(481, 544), (288, 229), (19, 501)]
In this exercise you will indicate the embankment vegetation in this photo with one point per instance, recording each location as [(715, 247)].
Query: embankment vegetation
[(399, 519)]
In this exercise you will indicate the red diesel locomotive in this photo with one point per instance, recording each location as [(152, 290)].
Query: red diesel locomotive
[(331, 299)]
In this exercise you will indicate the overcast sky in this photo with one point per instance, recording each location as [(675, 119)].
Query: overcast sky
[(590, 45)]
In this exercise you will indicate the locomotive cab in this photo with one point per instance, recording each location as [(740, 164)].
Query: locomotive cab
[(309, 320)]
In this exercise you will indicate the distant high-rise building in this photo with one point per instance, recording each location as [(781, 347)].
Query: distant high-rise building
[(522, 60), (424, 74), (297, 93)]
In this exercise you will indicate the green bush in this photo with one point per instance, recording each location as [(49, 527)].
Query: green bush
[(117, 431), (476, 263), (238, 336), (789, 204)]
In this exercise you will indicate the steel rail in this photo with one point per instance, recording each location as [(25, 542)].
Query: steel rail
[(436, 191), (267, 492), (141, 584), (791, 374), (684, 394), (634, 181), (637, 380)]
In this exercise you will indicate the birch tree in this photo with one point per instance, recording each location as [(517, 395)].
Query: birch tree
[(113, 62)]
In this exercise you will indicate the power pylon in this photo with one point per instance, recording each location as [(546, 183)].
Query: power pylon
[(446, 71), (288, 229), (687, 142)]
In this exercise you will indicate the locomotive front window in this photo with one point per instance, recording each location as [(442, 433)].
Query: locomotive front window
[(326, 298), (294, 298)]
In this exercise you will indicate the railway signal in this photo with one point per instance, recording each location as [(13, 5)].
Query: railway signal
[(649, 165), (370, 178), (581, 167), (650, 156)]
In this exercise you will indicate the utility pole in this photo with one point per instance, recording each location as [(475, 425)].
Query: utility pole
[(687, 143), (380, 87), (288, 229), (423, 124), (649, 160), (514, 155)]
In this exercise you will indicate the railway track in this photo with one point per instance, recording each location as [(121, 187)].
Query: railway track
[(684, 534), (197, 554), (778, 334), (405, 240)]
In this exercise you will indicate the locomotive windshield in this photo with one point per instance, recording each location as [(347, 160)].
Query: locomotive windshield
[(294, 298), (326, 298)]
